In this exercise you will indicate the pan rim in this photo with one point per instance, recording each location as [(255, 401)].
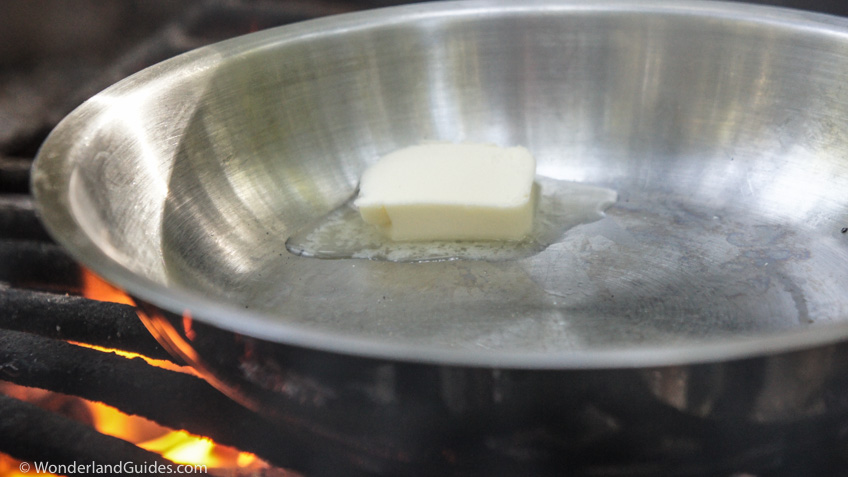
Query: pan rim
[(51, 176)]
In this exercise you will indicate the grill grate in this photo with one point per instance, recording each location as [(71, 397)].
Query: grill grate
[(45, 325)]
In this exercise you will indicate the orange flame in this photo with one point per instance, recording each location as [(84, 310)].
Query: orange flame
[(176, 445), (97, 288)]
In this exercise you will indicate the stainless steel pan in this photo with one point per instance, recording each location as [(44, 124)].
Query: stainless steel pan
[(715, 287)]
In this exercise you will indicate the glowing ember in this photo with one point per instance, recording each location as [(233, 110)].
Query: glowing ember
[(159, 363)]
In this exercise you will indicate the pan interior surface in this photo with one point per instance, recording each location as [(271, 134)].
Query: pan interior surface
[(722, 128)]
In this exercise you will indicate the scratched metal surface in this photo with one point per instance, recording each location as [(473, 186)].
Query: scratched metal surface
[(722, 128)]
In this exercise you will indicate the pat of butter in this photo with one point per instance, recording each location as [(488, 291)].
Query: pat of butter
[(443, 191)]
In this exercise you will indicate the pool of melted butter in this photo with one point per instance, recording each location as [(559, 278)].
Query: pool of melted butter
[(560, 206)]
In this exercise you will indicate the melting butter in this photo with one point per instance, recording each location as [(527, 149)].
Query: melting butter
[(447, 191), (561, 205)]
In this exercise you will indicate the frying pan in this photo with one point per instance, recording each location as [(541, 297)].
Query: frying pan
[(698, 325)]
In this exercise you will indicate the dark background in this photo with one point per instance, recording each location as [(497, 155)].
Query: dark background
[(35, 29), (55, 54)]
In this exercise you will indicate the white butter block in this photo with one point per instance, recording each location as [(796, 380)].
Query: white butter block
[(443, 191)]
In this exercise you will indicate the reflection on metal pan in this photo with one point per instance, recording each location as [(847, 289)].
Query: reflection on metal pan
[(720, 127)]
